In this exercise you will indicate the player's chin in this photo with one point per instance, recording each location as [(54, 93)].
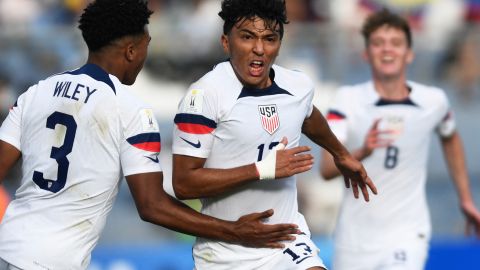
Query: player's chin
[(130, 80)]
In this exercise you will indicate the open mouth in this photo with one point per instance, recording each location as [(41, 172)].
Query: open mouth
[(387, 59), (256, 68)]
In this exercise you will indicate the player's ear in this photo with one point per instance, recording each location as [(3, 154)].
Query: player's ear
[(225, 44), (130, 51)]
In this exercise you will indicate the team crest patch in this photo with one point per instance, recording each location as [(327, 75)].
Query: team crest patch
[(269, 117)]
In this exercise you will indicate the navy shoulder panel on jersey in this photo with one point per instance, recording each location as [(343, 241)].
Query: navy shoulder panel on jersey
[(96, 73)]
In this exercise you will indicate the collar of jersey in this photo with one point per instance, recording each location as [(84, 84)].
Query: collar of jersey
[(273, 89), (95, 72), (385, 102)]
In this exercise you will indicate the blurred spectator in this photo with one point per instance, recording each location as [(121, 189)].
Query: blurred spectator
[(412, 10), (462, 59), (307, 10), (37, 39), (190, 39), (52, 34), (7, 96), (472, 11), (16, 14)]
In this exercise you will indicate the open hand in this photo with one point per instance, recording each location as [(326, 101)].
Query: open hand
[(472, 216), (292, 161), (354, 173), (251, 231), (281, 162), (375, 139)]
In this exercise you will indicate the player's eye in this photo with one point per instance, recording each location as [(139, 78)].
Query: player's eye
[(397, 42), (271, 38), (376, 42)]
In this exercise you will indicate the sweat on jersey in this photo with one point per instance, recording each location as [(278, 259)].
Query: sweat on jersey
[(78, 133), (230, 125), (399, 211)]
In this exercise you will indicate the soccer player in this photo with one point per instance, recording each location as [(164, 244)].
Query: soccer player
[(77, 133), (237, 128), (387, 123)]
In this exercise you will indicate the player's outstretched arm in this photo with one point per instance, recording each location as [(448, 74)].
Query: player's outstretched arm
[(316, 128), (9, 155), (156, 206), (455, 157), (191, 180)]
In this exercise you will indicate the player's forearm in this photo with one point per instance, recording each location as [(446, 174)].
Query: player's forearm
[(328, 170), (455, 157), (334, 147), (182, 218), (206, 182), (316, 129), (9, 155)]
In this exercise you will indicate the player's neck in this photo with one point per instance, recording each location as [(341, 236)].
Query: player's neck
[(396, 89), (107, 63)]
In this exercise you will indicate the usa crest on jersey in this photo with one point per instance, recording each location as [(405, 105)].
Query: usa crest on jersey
[(269, 117)]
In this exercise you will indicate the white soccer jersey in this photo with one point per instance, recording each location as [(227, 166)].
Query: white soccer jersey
[(77, 131), (399, 212), (231, 125)]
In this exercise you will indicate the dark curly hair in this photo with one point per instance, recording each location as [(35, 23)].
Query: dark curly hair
[(273, 12), (104, 21), (385, 17)]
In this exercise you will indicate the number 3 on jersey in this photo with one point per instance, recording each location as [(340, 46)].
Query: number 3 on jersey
[(59, 154)]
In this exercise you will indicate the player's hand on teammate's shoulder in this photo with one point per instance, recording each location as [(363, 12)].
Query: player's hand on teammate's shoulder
[(251, 231), (472, 216), (354, 174)]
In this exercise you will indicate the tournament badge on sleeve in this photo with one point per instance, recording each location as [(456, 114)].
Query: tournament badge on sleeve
[(149, 124), (269, 117), (193, 102)]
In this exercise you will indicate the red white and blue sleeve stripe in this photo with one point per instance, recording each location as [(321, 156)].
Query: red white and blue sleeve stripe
[(146, 141), (335, 115), (194, 123)]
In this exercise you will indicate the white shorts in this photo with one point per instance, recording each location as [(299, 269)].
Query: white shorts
[(408, 255), (300, 254), (6, 266)]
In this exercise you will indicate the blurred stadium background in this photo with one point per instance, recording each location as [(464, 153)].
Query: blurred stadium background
[(39, 38)]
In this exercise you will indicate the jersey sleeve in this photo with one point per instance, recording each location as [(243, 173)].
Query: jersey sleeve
[(141, 143), (195, 123), (446, 127), (337, 116), (10, 131), (310, 96)]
